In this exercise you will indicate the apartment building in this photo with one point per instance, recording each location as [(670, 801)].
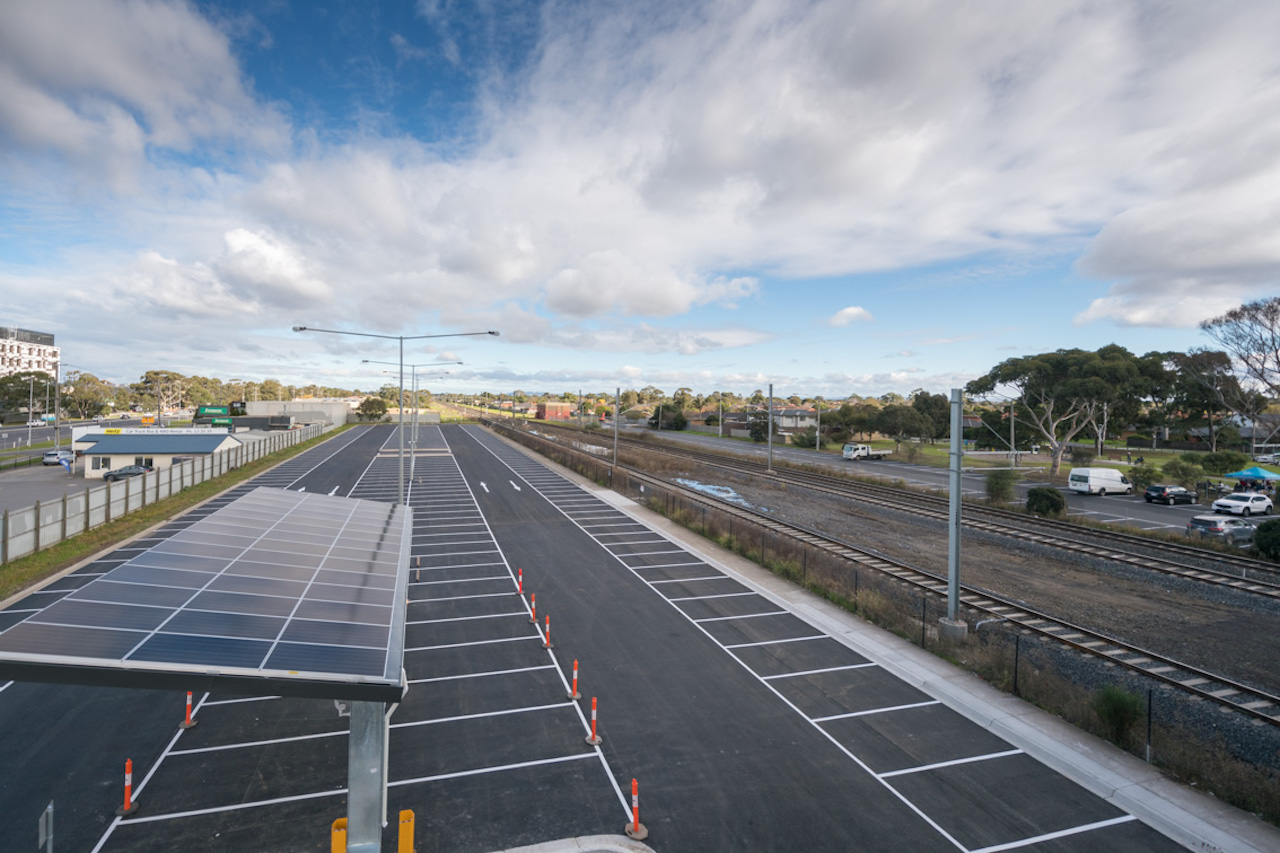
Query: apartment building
[(23, 349)]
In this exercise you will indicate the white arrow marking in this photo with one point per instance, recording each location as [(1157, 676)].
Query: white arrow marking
[(513, 485), (334, 490), (302, 489), (483, 486)]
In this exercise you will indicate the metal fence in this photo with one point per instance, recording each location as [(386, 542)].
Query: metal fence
[(28, 530)]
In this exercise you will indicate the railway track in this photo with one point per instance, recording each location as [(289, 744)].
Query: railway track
[(1205, 685), (1136, 551)]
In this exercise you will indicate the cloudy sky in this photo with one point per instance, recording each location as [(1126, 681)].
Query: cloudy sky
[(854, 196)]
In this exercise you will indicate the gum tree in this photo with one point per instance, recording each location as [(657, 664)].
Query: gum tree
[(1060, 392)]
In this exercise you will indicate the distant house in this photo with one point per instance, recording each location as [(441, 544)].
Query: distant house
[(158, 449), (794, 419), (555, 411)]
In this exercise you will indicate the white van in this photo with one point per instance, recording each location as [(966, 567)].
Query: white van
[(1099, 481)]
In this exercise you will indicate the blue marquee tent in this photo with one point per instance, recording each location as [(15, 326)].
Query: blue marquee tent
[(1254, 473)]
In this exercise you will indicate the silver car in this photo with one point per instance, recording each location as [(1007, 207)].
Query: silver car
[(1243, 503), (1235, 531)]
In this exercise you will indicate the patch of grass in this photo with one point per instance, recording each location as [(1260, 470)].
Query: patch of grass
[(24, 572)]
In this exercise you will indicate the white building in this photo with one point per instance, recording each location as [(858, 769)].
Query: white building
[(22, 350)]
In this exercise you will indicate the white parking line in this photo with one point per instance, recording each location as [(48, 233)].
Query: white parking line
[(925, 767)]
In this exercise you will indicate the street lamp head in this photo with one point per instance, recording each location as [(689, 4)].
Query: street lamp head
[(299, 328), (493, 332)]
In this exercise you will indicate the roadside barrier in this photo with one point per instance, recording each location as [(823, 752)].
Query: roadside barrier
[(594, 740), (636, 829), (129, 806), (574, 694), (188, 722)]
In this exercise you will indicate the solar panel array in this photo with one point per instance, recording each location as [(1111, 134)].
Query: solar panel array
[(279, 592)]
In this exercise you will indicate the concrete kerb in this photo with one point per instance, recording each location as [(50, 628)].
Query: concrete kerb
[(585, 844), (1189, 817)]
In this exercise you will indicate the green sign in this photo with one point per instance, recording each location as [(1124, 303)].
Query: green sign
[(221, 422)]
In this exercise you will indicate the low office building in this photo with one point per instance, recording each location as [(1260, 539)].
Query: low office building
[(156, 448)]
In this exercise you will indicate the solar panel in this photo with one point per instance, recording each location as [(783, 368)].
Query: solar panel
[(279, 592)]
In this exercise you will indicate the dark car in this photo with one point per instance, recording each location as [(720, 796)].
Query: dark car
[(1235, 531), (126, 471), (1170, 495)]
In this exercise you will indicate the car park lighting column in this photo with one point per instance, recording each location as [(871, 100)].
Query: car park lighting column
[(401, 339)]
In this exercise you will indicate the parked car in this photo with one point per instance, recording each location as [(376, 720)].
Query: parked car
[(1235, 531), (1265, 458), (55, 457), (1170, 495), (126, 471), (35, 423), (1243, 503)]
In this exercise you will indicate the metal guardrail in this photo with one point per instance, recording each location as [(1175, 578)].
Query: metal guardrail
[(30, 529)]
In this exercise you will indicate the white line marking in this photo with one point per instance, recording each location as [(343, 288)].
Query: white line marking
[(464, 618), (513, 485), (708, 597), (818, 671), (537, 637), (926, 767), (333, 491), (773, 642), (1062, 833), (244, 699), (464, 717), (498, 769), (483, 486), (690, 580), (480, 674), (883, 710), (743, 616), (244, 744)]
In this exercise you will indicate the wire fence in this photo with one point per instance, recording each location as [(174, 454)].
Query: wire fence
[(30, 529)]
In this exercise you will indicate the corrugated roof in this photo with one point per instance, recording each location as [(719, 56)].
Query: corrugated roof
[(159, 443)]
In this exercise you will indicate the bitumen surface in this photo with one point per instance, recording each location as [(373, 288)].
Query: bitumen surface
[(751, 716)]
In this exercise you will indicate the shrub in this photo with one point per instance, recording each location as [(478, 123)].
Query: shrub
[(1219, 463), (1182, 473), (1118, 711), (1081, 457), (1043, 500), (1142, 476), (1267, 539), (1000, 485), (807, 438)]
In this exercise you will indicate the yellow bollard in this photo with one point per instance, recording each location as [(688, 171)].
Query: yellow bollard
[(406, 832), (338, 840)]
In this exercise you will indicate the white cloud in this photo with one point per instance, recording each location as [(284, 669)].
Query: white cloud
[(852, 314), (98, 83)]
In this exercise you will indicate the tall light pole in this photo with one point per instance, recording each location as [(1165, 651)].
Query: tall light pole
[(401, 339), (413, 372)]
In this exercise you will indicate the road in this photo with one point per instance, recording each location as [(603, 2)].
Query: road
[(748, 727), (1124, 510)]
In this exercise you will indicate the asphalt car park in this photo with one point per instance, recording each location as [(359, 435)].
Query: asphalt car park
[(747, 727)]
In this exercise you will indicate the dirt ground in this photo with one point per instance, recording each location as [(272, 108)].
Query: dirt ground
[(1198, 624)]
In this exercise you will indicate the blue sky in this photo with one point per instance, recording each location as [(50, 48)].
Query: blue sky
[(838, 197)]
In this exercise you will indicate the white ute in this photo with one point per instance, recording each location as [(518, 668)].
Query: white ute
[(862, 451)]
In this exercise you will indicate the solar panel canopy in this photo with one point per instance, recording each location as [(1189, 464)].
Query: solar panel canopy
[(279, 592)]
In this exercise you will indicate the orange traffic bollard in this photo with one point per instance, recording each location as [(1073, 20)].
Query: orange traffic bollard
[(129, 806), (635, 829), (533, 608), (519, 581), (594, 740), (574, 694), (547, 642), (188, 722)]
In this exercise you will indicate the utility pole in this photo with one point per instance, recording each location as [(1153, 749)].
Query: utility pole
[(770, 428), (952, 627)]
